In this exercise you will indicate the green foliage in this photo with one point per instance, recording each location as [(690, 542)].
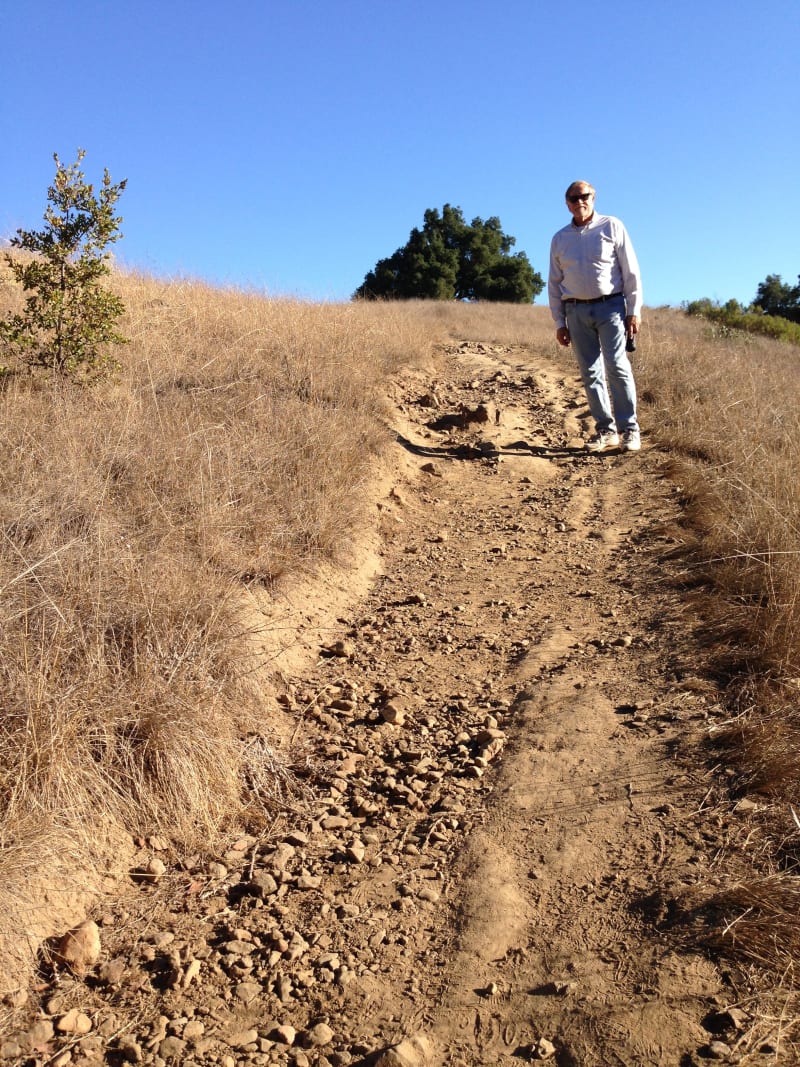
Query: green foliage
[(449, 259), (68, 315), (776, 297), (732, 316)]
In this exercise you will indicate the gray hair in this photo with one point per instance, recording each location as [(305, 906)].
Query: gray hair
[(574, 185)]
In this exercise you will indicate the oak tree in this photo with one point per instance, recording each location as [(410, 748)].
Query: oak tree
[(450, 259)]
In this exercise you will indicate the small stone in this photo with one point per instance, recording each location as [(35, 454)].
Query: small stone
[(238, 948), (79, 948), (41, 1033), (738, 1018), (544, 1049), (356, 852), (113, 971), (284, 1035), (156, 869), (429, 893), (54, 1005), (416, 1051), (242, 1038), (280, 858), (334, 822), (74, 1022), (391, 712), (247, 992), (193, 1031), (348, 911), (718, 1050), (340, 649), (317, 1036), (172, 1048), (263, 884), (129, 1049), (284, 989)]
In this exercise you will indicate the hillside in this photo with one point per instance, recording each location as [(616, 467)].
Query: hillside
[(478, 808)]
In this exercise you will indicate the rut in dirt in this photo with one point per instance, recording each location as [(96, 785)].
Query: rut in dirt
[(587, 820)]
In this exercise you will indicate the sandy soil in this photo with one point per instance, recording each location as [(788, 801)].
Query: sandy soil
[(500, 796)]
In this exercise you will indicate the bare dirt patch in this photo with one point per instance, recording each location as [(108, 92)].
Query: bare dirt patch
[(496, 813)]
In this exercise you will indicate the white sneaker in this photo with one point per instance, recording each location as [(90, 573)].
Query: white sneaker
[(601, 441), (631, 441)]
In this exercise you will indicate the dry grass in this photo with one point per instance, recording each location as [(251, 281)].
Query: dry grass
[(492, 324), (233, 449), (727, 409)]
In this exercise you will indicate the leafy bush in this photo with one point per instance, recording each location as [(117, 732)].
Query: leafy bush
[(68, 315), (732, 316)]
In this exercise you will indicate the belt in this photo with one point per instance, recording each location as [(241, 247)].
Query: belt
[(591, 300)]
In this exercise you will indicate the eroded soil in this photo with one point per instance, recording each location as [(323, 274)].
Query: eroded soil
[(500, 795)]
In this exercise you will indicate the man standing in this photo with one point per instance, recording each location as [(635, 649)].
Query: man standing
[(595, 296)]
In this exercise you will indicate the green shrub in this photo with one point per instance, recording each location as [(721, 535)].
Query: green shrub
[(68, 317), (732, 316)]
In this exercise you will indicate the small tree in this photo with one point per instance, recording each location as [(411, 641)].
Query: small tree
[(776, 297), (68, 315)]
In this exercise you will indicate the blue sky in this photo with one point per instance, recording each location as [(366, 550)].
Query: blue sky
[(287, 145)]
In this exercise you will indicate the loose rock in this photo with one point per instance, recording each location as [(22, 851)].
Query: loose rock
[(79, 949)]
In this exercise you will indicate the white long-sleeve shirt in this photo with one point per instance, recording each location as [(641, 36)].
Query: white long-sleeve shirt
[(593, 260)]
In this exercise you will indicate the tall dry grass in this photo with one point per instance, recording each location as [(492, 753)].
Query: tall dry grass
[(726, 408), (234, 447)]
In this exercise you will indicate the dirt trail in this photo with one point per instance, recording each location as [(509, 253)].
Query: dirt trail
[(498, 814)]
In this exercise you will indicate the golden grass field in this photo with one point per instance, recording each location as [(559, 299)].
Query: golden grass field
[(233, 449)]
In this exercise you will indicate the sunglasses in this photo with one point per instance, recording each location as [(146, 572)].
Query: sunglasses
[(580, 196)]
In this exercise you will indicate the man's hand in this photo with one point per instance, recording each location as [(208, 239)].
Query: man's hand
[(631, 325), (562, 336)]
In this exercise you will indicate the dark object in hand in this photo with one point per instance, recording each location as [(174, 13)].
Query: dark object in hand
[(630, 344)]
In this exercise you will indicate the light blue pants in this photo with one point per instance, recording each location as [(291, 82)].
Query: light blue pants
[(597, 333)]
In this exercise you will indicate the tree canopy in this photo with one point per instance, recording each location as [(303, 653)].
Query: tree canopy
[(449, 259), (776, 297)]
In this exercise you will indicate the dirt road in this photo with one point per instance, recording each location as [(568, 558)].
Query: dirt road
[(498, 808)]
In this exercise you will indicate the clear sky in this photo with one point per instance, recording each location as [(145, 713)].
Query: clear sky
[(287, 145)]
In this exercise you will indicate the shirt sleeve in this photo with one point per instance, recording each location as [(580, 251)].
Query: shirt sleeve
[(554, 281), (631, 275)]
